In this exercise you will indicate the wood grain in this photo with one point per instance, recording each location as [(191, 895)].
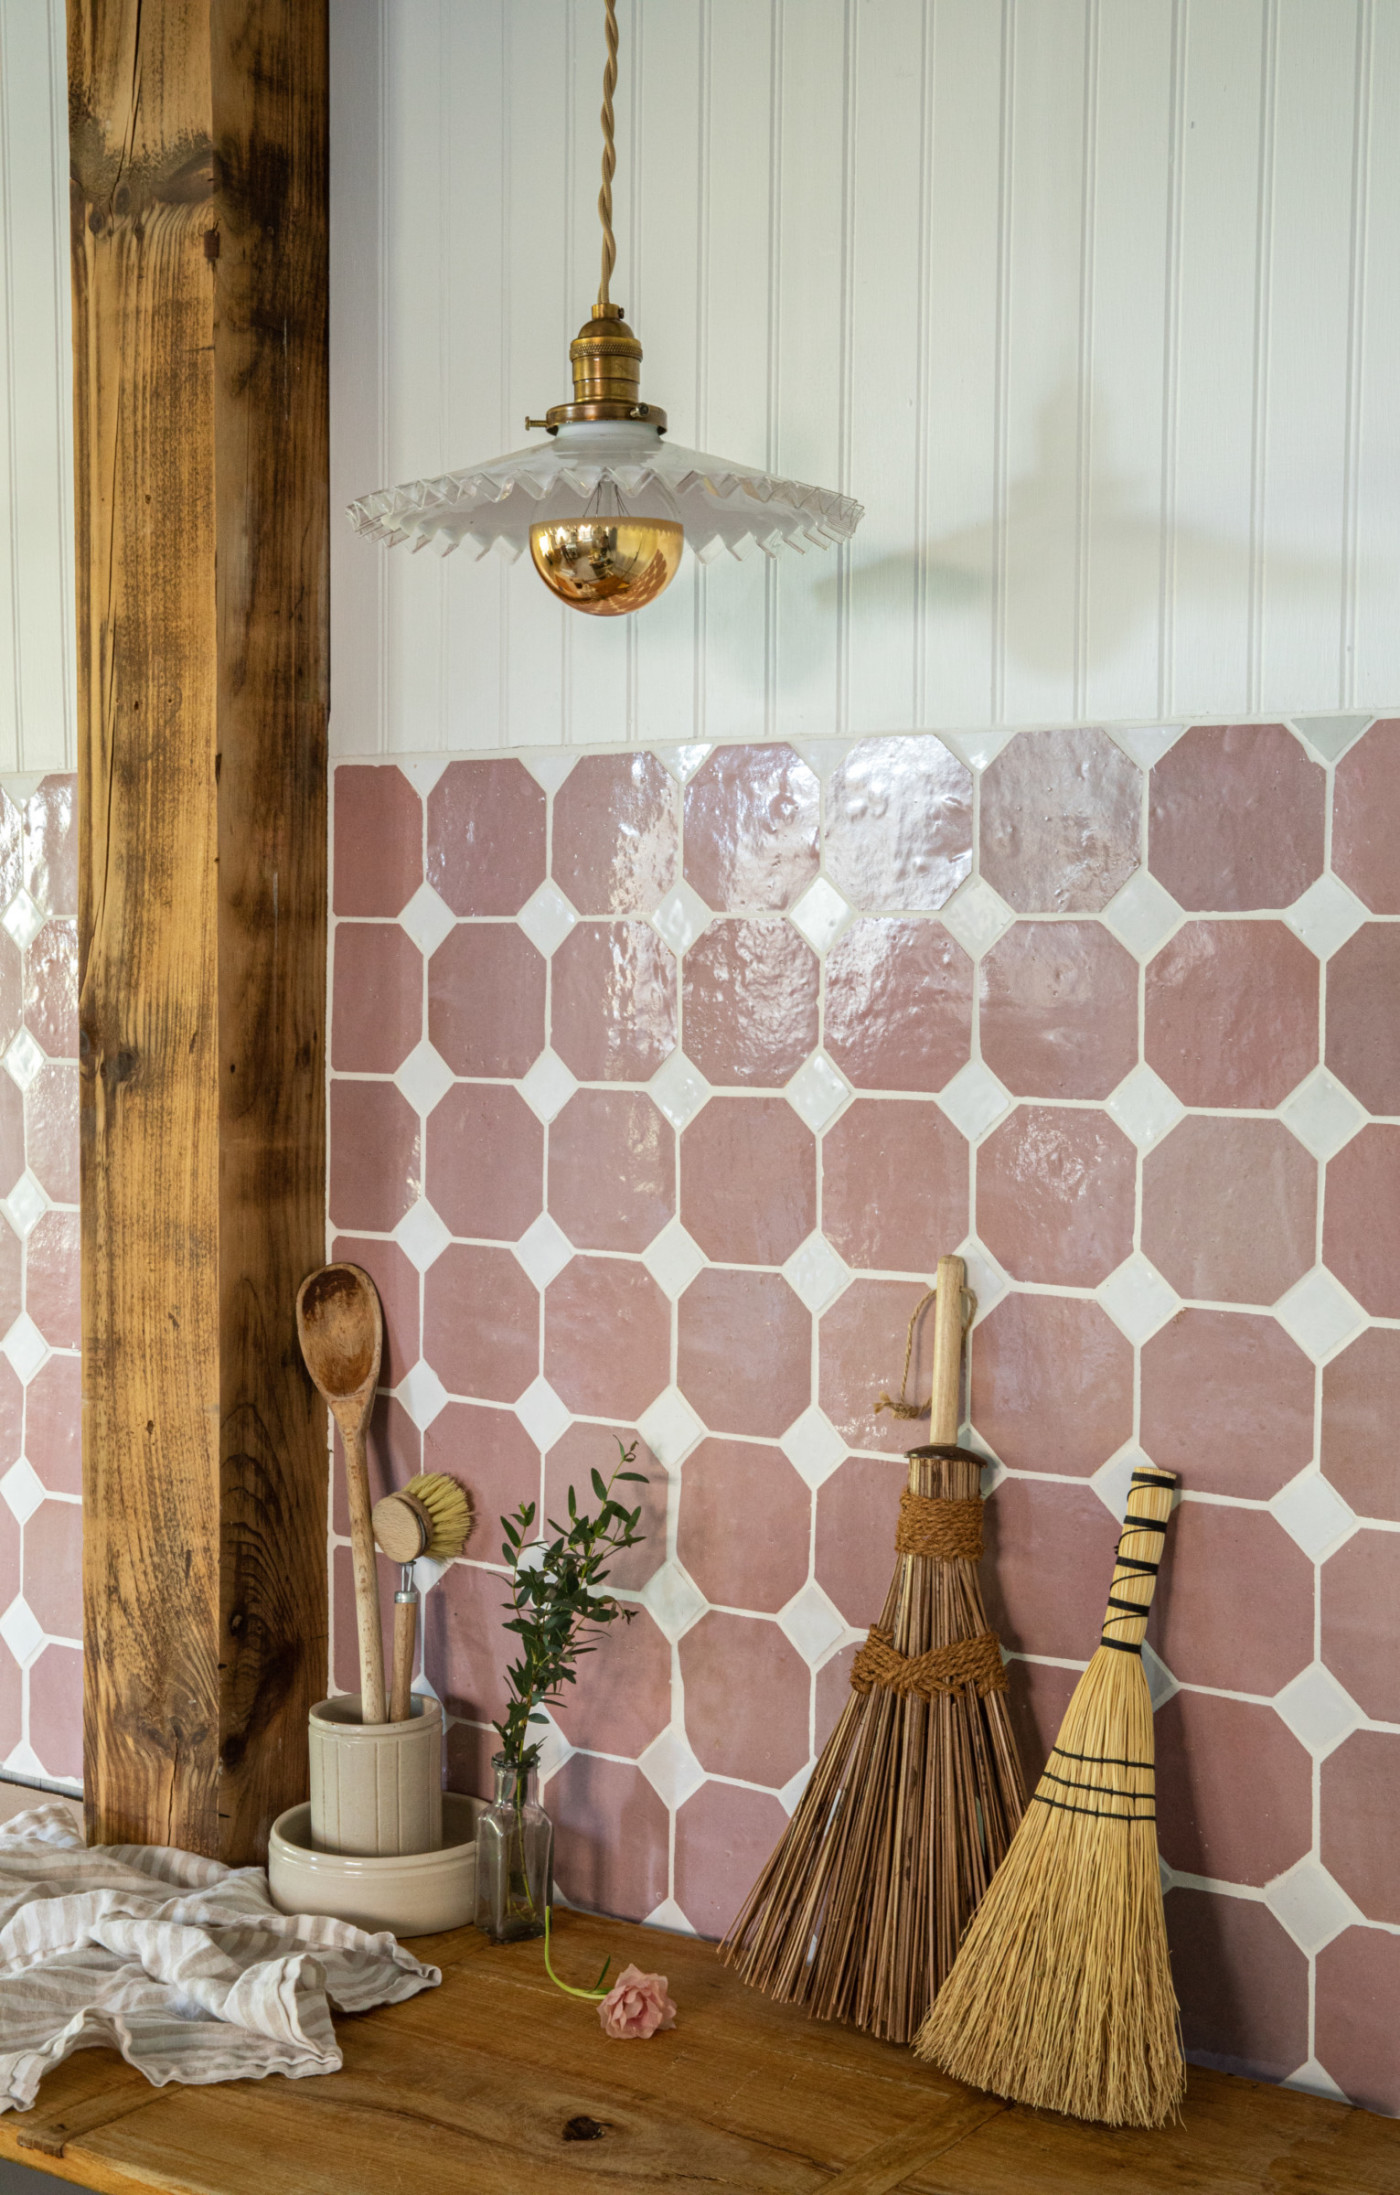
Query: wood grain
[(199, 332)]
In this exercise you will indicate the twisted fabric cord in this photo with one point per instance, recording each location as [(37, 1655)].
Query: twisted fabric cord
[(897, 1403), (943, 1669), (949, 1531), (609, 153)]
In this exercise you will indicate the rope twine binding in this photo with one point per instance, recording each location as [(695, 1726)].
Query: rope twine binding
[(899, 1405), (974, 1661)]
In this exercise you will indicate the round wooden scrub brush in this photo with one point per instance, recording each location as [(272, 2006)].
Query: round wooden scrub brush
[(430, 1516)]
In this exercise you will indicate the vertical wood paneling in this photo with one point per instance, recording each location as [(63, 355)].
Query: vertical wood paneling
[(358, 328), (1373, 629)]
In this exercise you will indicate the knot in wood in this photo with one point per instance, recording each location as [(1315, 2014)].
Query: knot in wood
[(976, 1661), (949, 1531)]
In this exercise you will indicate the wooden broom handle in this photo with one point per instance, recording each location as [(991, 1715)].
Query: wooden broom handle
[(1140, 1546), (945, 1410)]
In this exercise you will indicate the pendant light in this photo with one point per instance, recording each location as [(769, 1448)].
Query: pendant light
[(605, 505)]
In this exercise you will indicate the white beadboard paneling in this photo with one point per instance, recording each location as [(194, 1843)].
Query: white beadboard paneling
[(1372, 561)]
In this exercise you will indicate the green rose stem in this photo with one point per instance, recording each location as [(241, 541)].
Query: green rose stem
[(591, 1996)]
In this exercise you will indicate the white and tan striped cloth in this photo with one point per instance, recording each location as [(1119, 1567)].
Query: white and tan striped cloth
[(183, 1965)]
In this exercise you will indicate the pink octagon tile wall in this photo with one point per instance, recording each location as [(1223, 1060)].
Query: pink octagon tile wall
[(660, 1080)]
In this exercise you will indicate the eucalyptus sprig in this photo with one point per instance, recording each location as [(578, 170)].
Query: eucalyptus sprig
[(557, 1598)]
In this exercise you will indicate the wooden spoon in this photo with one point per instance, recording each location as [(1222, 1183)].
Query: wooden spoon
[(341, 1330)]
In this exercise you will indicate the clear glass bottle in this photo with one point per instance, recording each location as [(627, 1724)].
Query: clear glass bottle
[(514, 1858)]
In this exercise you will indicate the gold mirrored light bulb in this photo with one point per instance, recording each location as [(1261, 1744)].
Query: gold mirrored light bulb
[(607, 565)]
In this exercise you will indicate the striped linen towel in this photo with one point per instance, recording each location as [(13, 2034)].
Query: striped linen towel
[(183, 1965)]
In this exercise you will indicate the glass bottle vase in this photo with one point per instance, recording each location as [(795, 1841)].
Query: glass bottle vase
[(514, 1858)]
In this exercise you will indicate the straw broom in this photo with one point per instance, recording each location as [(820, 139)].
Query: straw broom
[(858, 1913), (1062, 1993)]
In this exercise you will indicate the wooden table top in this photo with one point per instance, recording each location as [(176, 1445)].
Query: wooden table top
[(470, 2090)]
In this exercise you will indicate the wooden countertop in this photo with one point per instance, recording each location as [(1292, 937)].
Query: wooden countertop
[(470, 2090)]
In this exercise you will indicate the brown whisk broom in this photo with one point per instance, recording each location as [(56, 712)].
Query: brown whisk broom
[(858, 1913), (1061, 1995)]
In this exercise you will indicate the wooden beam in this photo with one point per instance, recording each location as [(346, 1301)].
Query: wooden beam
[(198, 132)]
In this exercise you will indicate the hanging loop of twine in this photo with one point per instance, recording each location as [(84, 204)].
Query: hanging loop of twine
[(975, 1661), (605, 195), (898, 1404), (948, 1531)]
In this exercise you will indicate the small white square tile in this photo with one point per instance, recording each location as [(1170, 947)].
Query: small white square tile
[(1144, 1108), (669, 1915), (25, 1763), (673, 1600), (25, 1205), (545, 1418), (670, 1428), (548, 1086), (977, 749), (23, 919), (1311, 1905), (679, 1089), (422, 1394), (985, 1277), (974, 1099), (1136, 1298), (793, 1789), (544, 1250), (549, 766), (1113, 1480), (817, 1091), (1321, 1114), (1312, 2079), (815, 1274), (424, 1078), (1330, 736), (993, 1472), (422, 771), (1326, 916), (1147, 743), (427, 919), (1313, 1513), (555, 1749), (1143, 915), (21, 1490), (824, 755), (1319, 1314), (812, 1624), (547, 918), (820, 914), (1317, 1709), (681, 917), (23, 1060), (673, 1258), (685, 760), (25, 1347), (21, 1630), (1161, 1684), (670, 1767), (976, 916), (813, 1446), (421, 1235)]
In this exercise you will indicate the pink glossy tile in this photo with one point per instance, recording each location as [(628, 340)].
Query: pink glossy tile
[(12, 1399), (1363, 1029), (622, 1697), (52, 1420), (614, 1002), (10, 1570), (1365, 802), (1059, 1010), (750, 1002), (584, 1449), (1209, 1632), (1038, 1694), (378, 840), (899, 823), (898, 1004), (12, 1151), (745, 1521), (751, 817), (481, 1323), (723, 1836), (748, 1180), (485, 1162), (1360, 1806), (397, 1283), (1243, 1985), (1061, 821), (56, 1712), (11, 1277), (616, 835), (1052, 1384), (1047, 1552), (53, 1567), (466, 1644), (831, 1688), (486, 831), (744, 1352), (345, 1660), (607, 1338), (1227, 1401), (612, 1837), (612, 1170), (1360, 1405), (377, 998), (1361, 1621), (51, 1289), (376, 1167), (468, 1750), (1236, 818), (857, 1510), (1234, 1789), (51, 846), (51, 990), (1358, 2011), (12, 848), (491, 1453), (395, 1454), (894, 1184), (1361, 1220), (67, 1726), (746, 1698), (50, 1130), (861, 1352), (1231, 1013), (1229, 1210), (486, 994), (11, 987), (1056, 1195)]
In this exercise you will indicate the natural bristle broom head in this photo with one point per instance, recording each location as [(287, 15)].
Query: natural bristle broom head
[(430, 1516), (1061, 1996)]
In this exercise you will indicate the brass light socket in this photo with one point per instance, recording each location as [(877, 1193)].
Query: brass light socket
[(606, 361)]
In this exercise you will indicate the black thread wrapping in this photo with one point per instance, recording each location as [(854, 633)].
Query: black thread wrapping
[(1100, 1760), (1097, 1813)]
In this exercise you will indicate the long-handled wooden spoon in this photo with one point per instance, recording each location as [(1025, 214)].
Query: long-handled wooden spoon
[(341, 1330)]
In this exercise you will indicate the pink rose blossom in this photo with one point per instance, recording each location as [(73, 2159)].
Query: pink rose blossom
[(636, 2005)]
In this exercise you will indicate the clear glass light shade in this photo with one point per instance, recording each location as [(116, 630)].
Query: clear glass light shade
[(717, 505)]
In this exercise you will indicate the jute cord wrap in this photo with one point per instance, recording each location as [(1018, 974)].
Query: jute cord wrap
[(949, 1531), (943, 1669), (898, 1404)]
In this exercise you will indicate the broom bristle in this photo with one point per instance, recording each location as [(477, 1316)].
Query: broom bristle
[(449, 1511)]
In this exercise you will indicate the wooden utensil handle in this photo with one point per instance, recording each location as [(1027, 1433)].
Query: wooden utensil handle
[(946, 1408), (1140, 1546), (405, 1643), (366, 1574)]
